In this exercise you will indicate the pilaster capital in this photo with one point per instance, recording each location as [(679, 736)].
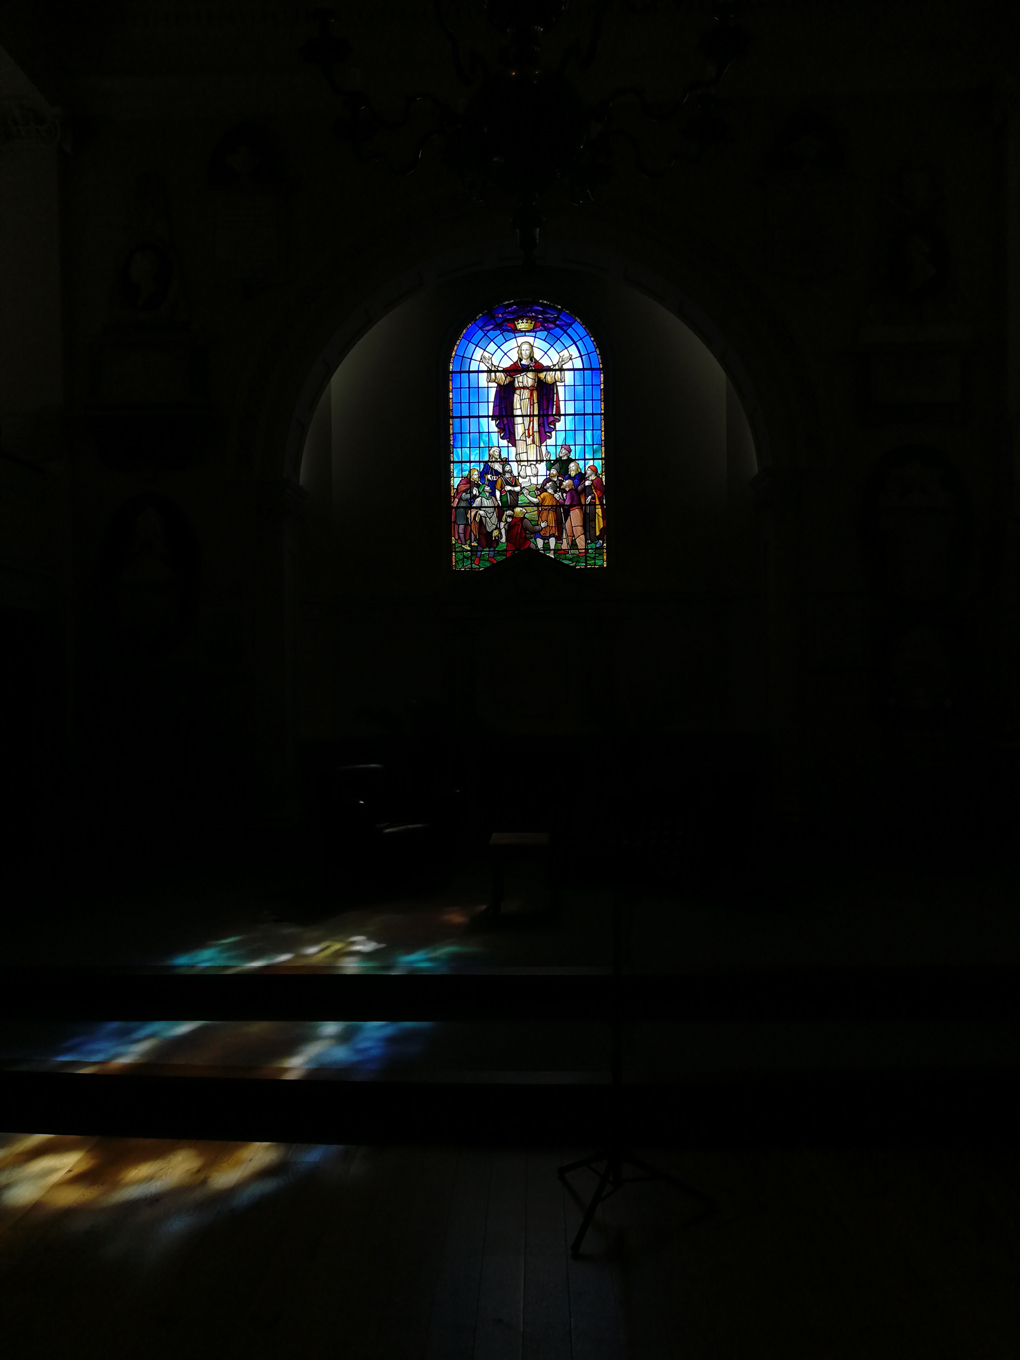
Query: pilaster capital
[(275, 498), (777, 489), (21, 121)]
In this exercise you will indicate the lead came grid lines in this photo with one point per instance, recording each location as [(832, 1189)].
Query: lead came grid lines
[(561, 508)]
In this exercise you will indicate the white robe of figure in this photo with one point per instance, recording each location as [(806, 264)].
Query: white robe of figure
[(528, 455)]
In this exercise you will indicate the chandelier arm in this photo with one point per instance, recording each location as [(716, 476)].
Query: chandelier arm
[(465, 74), (325, 51), (672, 110), (621, 134), (415, 160), (376, 158), (581, 55), (721, 72), (581, 194), (359, 138), (381, 124)]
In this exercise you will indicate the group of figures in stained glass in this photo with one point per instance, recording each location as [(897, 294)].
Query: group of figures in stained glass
[(542, 486)]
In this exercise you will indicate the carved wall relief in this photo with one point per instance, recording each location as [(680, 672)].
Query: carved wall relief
[(917, 526), (248, 186), (149, 575), (923, 676), (148, 380), (808, 200), (147, 292), (918, 543)]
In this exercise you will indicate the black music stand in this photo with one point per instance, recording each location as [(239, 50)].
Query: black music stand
[(608, 1163)]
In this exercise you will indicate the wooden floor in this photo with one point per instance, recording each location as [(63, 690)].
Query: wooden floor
[(116, 1248)]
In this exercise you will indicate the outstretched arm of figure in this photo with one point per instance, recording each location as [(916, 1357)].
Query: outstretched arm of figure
[(554, 373), (494, 374)]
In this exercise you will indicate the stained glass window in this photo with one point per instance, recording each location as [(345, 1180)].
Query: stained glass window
[(526, 439)]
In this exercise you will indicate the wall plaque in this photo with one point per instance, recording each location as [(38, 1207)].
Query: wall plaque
[(916, 377), (913, 372)]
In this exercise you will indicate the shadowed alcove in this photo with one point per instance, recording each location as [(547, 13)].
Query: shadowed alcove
[(648, 675)]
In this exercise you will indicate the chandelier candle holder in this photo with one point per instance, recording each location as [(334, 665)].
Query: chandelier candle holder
[(485, 149)]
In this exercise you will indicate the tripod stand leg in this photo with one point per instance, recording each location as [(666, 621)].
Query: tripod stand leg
[(563, 1171), (653, 1173), (593, 1204)]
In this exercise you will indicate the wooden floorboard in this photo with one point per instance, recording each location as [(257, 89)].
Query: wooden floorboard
[(965, 1243), (451, 1333), (398, 1253), (342, 1265), (630, 1218), (403, 1332), (62, 1155), (28, 1214), (992, 1181), (251, 1301), (499, 1329), (339, 1305), (195, 1256), (390, 1232), (546, 1285), (291, 1295), (86, 1283), (791, 1262), (226, 1281), (595, 1332), (943, 1258)]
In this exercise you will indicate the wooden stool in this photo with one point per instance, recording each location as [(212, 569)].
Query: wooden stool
[(516, 848)]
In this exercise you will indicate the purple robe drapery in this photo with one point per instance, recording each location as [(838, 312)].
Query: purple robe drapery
[(503, 406)]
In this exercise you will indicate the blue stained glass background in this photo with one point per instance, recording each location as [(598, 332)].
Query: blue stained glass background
[(580, 425)]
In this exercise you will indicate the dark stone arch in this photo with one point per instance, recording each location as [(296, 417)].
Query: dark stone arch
[(304, 345), (292, 362)]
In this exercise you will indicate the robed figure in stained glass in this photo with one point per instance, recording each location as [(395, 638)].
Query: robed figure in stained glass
[(527, 455), (526, 406)]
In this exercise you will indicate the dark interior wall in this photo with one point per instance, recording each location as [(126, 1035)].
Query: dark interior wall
[(31, 332), (656, 635), (854, 237)]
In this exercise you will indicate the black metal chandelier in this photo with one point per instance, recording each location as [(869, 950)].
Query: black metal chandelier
[(484, 147)]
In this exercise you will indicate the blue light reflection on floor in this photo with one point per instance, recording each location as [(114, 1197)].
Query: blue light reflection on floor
[(146, 1197), (121, 1040)]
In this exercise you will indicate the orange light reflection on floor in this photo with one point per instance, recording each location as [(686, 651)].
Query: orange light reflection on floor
[(178, 1183)]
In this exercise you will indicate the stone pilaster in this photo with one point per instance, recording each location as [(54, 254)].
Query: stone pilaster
[(778, 499), (274, 508)]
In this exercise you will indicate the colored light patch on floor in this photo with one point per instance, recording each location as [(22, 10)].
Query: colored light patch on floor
[(258, 1048), (142, 1192), (393, 942), (388, 942)]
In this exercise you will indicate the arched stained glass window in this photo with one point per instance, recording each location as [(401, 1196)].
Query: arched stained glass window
[(526, 439)]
